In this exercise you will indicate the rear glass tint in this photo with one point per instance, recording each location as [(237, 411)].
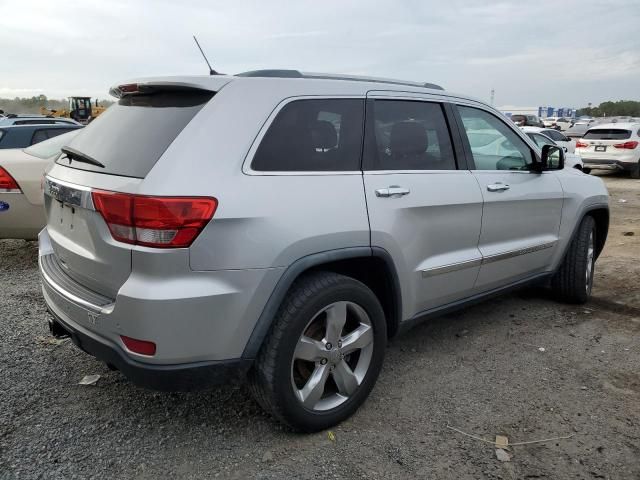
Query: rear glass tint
[(607, 134), (131, 135)]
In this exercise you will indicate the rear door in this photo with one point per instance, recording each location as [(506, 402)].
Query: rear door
[(423, 210), (522, 209), (127, 140)]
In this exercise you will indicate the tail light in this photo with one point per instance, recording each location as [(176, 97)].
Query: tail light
[(7, 183), (580, 144), (627, 145), (160, 222)]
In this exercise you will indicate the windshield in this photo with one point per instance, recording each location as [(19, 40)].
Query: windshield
[(131, 135), (51, 147), (607, 134)]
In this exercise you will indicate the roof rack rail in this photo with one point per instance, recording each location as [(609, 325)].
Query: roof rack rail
[(272, 74), (281, 73)]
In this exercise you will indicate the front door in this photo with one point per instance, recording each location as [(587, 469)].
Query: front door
[(522, 208), (423, 210)]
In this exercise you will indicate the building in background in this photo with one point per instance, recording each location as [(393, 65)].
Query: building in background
[(540, 112)]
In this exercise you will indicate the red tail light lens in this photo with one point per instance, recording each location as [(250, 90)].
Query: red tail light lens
[(142, 347), (580, 144), (160, 222), (7, 183), (627, 145)]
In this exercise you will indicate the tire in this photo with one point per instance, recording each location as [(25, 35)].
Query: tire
[(574, 279), (284, 370), (635, 171)]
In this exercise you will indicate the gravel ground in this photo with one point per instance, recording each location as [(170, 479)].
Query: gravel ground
[(481, 370)]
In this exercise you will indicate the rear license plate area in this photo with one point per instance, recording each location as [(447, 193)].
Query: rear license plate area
[(601, 148)]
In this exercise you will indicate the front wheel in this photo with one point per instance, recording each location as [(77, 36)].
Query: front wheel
[(323, 354), (574, 279)]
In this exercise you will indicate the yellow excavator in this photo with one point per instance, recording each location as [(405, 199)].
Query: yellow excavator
[(80, 109)]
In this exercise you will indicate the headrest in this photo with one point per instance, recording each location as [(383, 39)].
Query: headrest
[(408, 138), (324, 134)]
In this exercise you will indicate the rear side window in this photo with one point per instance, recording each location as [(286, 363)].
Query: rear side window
[(131, 135), (49, 148), (554, 135), (607, 134), (409, 135), (39, 136), (323, 135)]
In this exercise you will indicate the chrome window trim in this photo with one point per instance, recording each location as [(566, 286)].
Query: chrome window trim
[(68, 193), (436, 172), (246, 165)]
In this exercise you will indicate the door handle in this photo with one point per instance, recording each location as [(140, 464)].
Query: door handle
[(392, 191), (498, 187)]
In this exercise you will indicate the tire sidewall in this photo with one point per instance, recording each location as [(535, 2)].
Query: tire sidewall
[(297, 415)]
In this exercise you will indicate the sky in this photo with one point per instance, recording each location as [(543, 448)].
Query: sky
[(558, 52)]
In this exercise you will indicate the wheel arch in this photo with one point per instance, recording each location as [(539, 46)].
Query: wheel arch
[(372, 266), (601, 217)]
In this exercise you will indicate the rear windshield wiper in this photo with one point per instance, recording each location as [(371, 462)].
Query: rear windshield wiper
[(74, 154)]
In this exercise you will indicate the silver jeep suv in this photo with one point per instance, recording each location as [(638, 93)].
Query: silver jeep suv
[(280, 227)]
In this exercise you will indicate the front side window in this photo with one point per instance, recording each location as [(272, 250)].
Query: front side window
[(409, 135), (493, 144), (323, 135)]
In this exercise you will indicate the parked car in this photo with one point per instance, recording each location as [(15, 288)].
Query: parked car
[(21, 199), (13, 119), (527, 121), (612, 146), (558, 123), (22, 136), (577, 131), (541, 139), (559, 138), (268, 227)]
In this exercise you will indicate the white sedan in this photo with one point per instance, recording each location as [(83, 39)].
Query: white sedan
[(559, 138), (21, 196)]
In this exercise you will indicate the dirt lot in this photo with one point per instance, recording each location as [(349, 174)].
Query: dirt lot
[(482, 370)]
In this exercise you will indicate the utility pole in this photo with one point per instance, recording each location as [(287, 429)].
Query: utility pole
[(493, 96)]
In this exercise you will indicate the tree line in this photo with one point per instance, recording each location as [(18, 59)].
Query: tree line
[(33, 104), (613, 109)]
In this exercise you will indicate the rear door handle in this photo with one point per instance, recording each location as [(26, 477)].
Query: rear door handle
[(498, 187), (392, 191)]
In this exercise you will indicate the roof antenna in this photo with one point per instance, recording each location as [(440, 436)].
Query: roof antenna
[(211, 70)]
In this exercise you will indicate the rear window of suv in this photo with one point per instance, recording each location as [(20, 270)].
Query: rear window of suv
[(607, 134), (131, 135)]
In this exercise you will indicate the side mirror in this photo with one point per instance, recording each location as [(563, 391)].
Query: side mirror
[(552, 158), (565, 149)]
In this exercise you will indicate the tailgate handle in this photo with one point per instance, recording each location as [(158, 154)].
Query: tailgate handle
[(393, 191)]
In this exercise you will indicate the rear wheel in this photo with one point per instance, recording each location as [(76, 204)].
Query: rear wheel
[(635, 171), (323, 354), (574, 279)]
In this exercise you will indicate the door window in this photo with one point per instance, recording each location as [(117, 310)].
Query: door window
[(313, 136), (409, 135), (494, 146), (554, 135)]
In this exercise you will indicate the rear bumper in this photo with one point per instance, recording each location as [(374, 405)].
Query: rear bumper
[(614, 165), (182, 377)]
